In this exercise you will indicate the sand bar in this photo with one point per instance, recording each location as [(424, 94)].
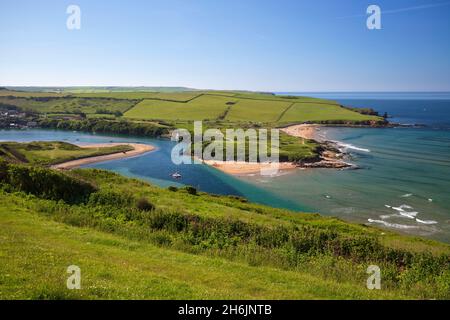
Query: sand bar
[(305, 131), (138, 149), (244, 168)]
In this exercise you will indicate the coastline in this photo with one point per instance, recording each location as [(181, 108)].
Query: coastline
[(237, 168), (330, 157), (138, 149), (304, 131)]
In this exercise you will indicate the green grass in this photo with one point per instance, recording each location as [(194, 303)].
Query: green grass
[(246, 107), (201, 108), (230, 106), (199, 246), (302, 112), (256, 110), (128, 254), (282, 98), (69, 105), (100, 116), (47, 153), (293, 149), (35, 253), (169, 96), (28, 94)]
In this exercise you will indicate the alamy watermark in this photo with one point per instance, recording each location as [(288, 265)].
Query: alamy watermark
[(374, 280), (74, 280), (374, 20), (73, 21)]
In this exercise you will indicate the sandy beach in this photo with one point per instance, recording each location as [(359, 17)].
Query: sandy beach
[(305, 131), (244, 168), (138, 149)]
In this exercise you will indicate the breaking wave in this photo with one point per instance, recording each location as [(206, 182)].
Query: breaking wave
[(402, 211), (350, 146)]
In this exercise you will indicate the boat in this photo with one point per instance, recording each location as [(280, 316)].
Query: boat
[(176, 175)]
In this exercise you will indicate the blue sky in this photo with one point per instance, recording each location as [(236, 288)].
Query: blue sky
[(283, 45)]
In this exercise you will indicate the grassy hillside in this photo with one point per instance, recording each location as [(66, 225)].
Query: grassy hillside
[(47, 153), (307, 112), (241, 107), (135, 240), (165, 96), (201, 108), (35, 253), (224, 106), (69, 104)]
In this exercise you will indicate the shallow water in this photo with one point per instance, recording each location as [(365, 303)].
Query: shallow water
[(404, 180), (157, 167)]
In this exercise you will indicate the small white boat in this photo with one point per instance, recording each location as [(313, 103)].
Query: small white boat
[(176, 175)]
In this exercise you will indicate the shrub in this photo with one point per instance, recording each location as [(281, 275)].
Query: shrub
[(3, 170), (172, 188), (144, 205), (107, 197), (191, 190), (46, 183)]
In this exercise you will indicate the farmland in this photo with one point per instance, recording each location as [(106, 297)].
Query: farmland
[(242, 107), (164, 96), (303, 112), (68, 104), (201, 108), (257, 110), (230, 107)]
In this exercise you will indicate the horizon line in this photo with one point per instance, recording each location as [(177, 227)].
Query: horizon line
[(200, 89)]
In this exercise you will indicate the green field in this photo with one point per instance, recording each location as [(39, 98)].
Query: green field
[(186, 244), (69, 104), (225, 106), (240, 107), (201, 108), (47, 153), (256, 110), (302, 112), (168, 96), (27, 94)]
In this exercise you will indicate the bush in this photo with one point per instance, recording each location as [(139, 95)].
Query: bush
[(144, 205), (46, 183), (107, 126), (191, 190), (107, 197), (3, 170), (172, 188)]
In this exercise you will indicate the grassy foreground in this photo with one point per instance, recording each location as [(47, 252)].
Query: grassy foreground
[(135, 240), (35, 253)]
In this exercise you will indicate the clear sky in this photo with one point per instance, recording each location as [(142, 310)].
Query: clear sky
[(282, 45)]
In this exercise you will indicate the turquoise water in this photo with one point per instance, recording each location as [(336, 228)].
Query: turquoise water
[(404, 180), (157, 167)]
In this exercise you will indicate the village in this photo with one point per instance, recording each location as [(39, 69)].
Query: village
[(16, 119)]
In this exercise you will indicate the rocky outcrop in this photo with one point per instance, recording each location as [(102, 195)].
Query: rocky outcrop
[(330, 157)]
